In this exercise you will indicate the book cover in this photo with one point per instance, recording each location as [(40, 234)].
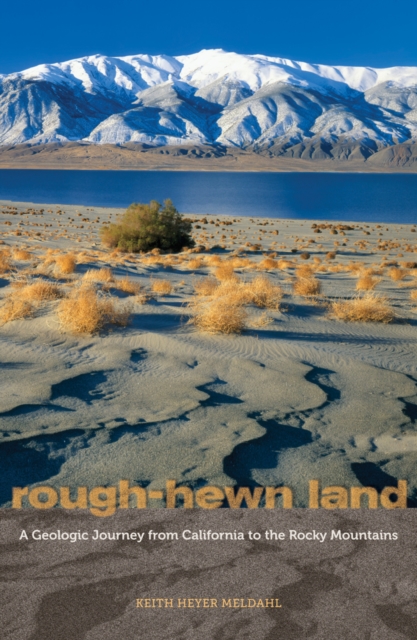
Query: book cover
[(208, 294)]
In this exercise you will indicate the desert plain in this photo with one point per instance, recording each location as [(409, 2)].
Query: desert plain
[(273, 352)]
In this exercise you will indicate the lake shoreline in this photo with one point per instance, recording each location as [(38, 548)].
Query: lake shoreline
[(182, 168), (332, 196)]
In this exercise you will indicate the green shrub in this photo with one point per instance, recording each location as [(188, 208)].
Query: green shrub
[(149, 226)]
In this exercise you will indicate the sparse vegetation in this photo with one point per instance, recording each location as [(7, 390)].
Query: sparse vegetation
[(104, 274), (366, 283), (219, 308), (66, 262), (307, 287), (148, 226), (21, 254), (41, 291), (267, 264), (225, 271), (219, 316), (369, 308), (87, 313), (205, 286), (14, 308), (195, 263), (163, 287), (263, 293), (304, 271), (127, 286), (285, 264), (5, 261), (32, 273), (397, 274)]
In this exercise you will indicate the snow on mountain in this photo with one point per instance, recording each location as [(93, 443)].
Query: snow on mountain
[(247, 101)]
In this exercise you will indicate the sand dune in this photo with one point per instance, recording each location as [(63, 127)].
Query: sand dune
[(298, 395)]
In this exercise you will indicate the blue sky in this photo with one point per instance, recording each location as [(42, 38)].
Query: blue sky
[(353, 32)]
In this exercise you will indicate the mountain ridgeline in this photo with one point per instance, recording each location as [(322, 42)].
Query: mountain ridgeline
[(270, 106)]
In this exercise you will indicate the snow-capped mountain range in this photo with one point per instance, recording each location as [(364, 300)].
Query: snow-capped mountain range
[(211, 97)]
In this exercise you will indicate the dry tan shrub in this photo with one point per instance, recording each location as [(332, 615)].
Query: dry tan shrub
[(366, 283), (285, 264), (373, 271), (21, 254), (240, 263), (195, 263), (336, 268), (219, 316), (85, 312), (66, 262), (397, 274), (15, 309), (263, 293), (49, 257), (205, 286), (413, 295), (409, 265), (268, 263), (307, 287), (225, 272), (234, 292), (156, 260), (213, 261), (304, 271), (171, 259), (126, 285), (5, 263), (305, 256), (41, 291), (104, 274), (162, 286), (260, 291), (354, 267), (321, 268), (331, 255), (369, 308)]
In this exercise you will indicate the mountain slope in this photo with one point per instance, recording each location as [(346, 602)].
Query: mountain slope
[(252, 102)]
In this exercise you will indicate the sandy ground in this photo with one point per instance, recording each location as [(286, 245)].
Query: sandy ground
[(87, 591), (298, 395)]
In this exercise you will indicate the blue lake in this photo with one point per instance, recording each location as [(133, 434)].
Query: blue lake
[(328, 196)]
